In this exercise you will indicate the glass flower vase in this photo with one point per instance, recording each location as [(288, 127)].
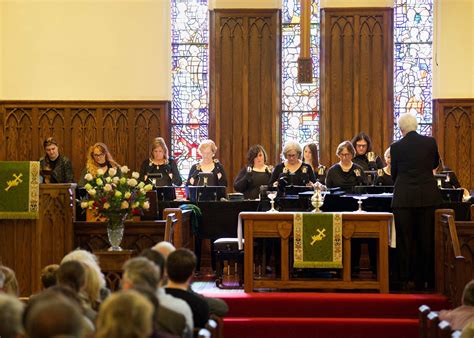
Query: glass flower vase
[(115, 227)]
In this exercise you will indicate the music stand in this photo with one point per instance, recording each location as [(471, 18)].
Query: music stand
[(451, 195), (373, 189), (295, 190), (165, 193), (205, 193), (158, 179), (206, 179), (152, 212)]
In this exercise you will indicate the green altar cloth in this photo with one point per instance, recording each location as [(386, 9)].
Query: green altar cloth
[(19, 189), (317, 240)]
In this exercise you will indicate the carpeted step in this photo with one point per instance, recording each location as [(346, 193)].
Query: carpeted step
[(320, 327), (329, 305)]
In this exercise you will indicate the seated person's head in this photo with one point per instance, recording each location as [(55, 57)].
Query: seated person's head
[(48, 275), (292, 151), (51, 314), (10, 283), (140, 271), (362, 143), (71, 274), (11, 312), (125, 314), (468, 294), (156, 257), (164, 248), (181, 265)]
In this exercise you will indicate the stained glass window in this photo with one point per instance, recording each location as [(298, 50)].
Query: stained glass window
[(189, 106), (300, 102), (413, 36)]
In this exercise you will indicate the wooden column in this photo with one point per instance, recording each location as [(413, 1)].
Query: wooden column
[(305, 66)]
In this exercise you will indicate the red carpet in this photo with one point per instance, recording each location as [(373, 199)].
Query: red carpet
[(331, 315)]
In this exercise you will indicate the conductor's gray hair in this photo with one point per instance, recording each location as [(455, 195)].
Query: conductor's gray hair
[(407, 122)]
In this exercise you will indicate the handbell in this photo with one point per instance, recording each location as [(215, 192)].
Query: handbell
[(371, 156)]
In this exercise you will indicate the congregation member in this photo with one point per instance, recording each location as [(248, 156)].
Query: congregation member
[(98, 157), (162, 164), (345, 174), (141, 272), (11, 313), (208, 164), (384, 176), (415, 197), (48, 275), (364, 156), (125, 314), (180, 266), (55, 167), (459, 317), (292, 171), (8, 281), (255, 174), (216, 306), (310, 156)]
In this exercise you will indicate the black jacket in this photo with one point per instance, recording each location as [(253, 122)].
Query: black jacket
[(413, 159)]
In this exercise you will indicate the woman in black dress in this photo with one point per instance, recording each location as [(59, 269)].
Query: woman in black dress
[(292, 171), (208, 164), (161, 164), (55, 168), (384, 176), (310, 156), (364, 156), (255, 174), (345, 174)]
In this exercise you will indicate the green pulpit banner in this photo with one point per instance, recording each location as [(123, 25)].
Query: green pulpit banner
[(317, 240), (19, 189)]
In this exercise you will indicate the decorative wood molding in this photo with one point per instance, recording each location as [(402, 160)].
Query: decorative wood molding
[(245, 83), (356, 77), (127, 127), (453, 121)]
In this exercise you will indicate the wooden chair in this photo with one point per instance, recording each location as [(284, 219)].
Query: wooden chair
[(423, 311), (432, 325), (171, 222), (202, 333), (444, 329), (212, 326), (219, 332)]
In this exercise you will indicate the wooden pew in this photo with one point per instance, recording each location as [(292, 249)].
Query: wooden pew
[(454, 245), (423, 312), (432, 325)]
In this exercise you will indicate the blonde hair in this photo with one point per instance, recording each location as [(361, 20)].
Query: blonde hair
[(91, 164), (94, 277), (207, 144), (10, 284), (159, 142), (125, 314)]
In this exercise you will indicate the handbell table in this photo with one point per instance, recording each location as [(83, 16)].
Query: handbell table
[(280, 225)]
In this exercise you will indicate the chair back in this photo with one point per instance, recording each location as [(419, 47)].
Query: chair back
[(444, 329), (171, 221), (423, 311), (219, 331), (432, 325)]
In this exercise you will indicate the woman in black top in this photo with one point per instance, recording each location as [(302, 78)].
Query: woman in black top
[(99, 157), (256, 174), (292, 171), (207, 149), (310, 156), (160, 163), (345, 174), (384, 176), (364, 156)]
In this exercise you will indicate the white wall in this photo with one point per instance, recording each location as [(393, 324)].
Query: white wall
[(83, 49), (356, 3), (453, 66), (245, 4)]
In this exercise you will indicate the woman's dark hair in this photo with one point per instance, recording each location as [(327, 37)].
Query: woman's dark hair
[(253, 152), (314, 154), (365, 137)]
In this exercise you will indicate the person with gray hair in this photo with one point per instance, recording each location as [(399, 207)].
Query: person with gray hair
[(174, 315), (459, 317), (415, 197), (11, 313), (292, 171)]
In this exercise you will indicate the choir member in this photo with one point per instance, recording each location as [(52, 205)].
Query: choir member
[(310, 156), (364, 156), (98, 157), (55, 168), (208, 164), (384, 176)]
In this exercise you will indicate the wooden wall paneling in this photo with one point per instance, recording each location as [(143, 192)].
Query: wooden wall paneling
[(356, 77), (453, 128), (244, 84), (127, 127)]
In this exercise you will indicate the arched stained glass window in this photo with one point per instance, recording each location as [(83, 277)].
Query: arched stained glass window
[(190, 108), (300, 102), (413, 37)]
